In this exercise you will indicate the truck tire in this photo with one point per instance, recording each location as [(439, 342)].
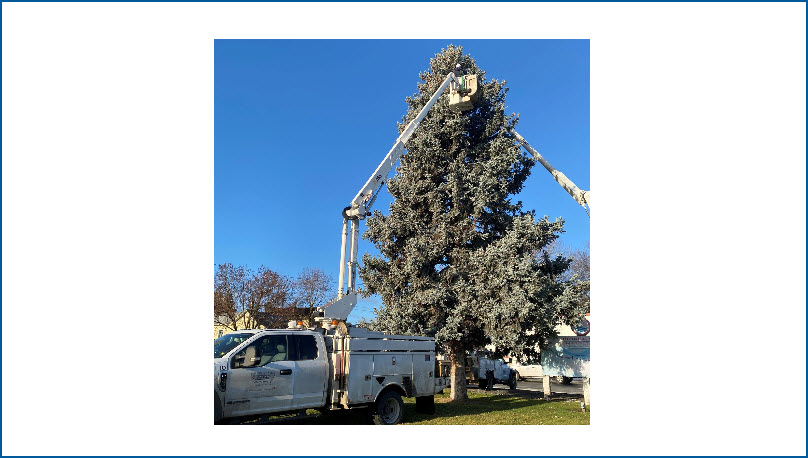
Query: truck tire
[(564, 380), (388, 409), (425, 405), (489, 378), (483, 383), (519, 376), (512, 381)]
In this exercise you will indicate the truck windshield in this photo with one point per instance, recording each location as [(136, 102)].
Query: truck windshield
[(225, 343)]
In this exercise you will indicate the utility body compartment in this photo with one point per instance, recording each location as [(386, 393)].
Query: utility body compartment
[(371, 362)]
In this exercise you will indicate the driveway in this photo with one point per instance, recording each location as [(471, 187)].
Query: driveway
[(535, 385)]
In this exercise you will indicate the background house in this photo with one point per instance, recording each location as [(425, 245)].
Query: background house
[(224, 324)]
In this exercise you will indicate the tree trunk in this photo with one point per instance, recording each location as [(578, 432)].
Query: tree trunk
[(457, 355)]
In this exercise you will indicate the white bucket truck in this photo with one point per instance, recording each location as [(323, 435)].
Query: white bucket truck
[(486, 372), (335, 367)]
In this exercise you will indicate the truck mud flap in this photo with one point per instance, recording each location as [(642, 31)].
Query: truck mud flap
[(425, 404), (407, 382)]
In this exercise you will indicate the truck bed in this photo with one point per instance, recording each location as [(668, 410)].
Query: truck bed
[(365, 363)]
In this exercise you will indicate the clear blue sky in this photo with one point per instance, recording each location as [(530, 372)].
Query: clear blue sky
[(301, 124)]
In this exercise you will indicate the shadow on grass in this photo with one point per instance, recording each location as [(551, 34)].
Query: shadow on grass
[(479, 403), (472, 407), (349, 417)]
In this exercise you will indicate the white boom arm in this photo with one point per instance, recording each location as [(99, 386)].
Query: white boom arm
[(582, 197), (362, 203)]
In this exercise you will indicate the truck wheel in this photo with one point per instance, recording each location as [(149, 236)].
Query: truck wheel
[(564, 380), (512, 381), (489, 378), (483, 383), (425, 404), (388, 410), (519, 376)]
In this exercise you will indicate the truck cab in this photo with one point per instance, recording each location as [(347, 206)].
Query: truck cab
[(267, 371)]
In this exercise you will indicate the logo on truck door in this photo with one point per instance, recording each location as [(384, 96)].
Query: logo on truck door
[(263, 380), (258, 376)]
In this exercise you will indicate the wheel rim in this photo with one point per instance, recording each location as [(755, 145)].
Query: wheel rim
[(390, 411)]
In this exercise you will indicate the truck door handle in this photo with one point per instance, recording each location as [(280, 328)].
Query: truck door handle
[(286, 371)]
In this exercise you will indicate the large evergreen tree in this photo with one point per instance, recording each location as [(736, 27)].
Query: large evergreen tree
[(460, 260)]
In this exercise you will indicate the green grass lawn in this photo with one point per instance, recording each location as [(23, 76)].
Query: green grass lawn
[(500, 407), (497, 409)]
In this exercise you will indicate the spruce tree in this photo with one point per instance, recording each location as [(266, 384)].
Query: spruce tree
[(460, 259)]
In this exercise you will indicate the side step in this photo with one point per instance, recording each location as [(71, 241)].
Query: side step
[(266, 419)]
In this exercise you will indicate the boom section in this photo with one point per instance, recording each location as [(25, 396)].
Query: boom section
[(461, 97), (362, 203), (582, 197)]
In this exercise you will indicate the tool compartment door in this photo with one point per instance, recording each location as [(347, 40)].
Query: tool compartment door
[(423, 374), (360, 378), (392, 364), (391, 368)]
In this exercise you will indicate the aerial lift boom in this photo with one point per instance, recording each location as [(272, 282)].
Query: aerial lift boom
[(582, 197), (462, 93)]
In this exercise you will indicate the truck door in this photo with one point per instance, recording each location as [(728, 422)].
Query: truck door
[(311, 370), (502, 371), (264, 384)]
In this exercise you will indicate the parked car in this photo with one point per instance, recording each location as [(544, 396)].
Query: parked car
[(486, 372), (525, 370)]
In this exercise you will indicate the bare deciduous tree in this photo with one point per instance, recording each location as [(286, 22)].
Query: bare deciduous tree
[(271, 298), (580, 262), (243, 299), (578, 273), (229, 285), (312, 289), (580, 268)]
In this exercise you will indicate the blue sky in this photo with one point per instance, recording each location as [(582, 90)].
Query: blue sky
[(301, 124)]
